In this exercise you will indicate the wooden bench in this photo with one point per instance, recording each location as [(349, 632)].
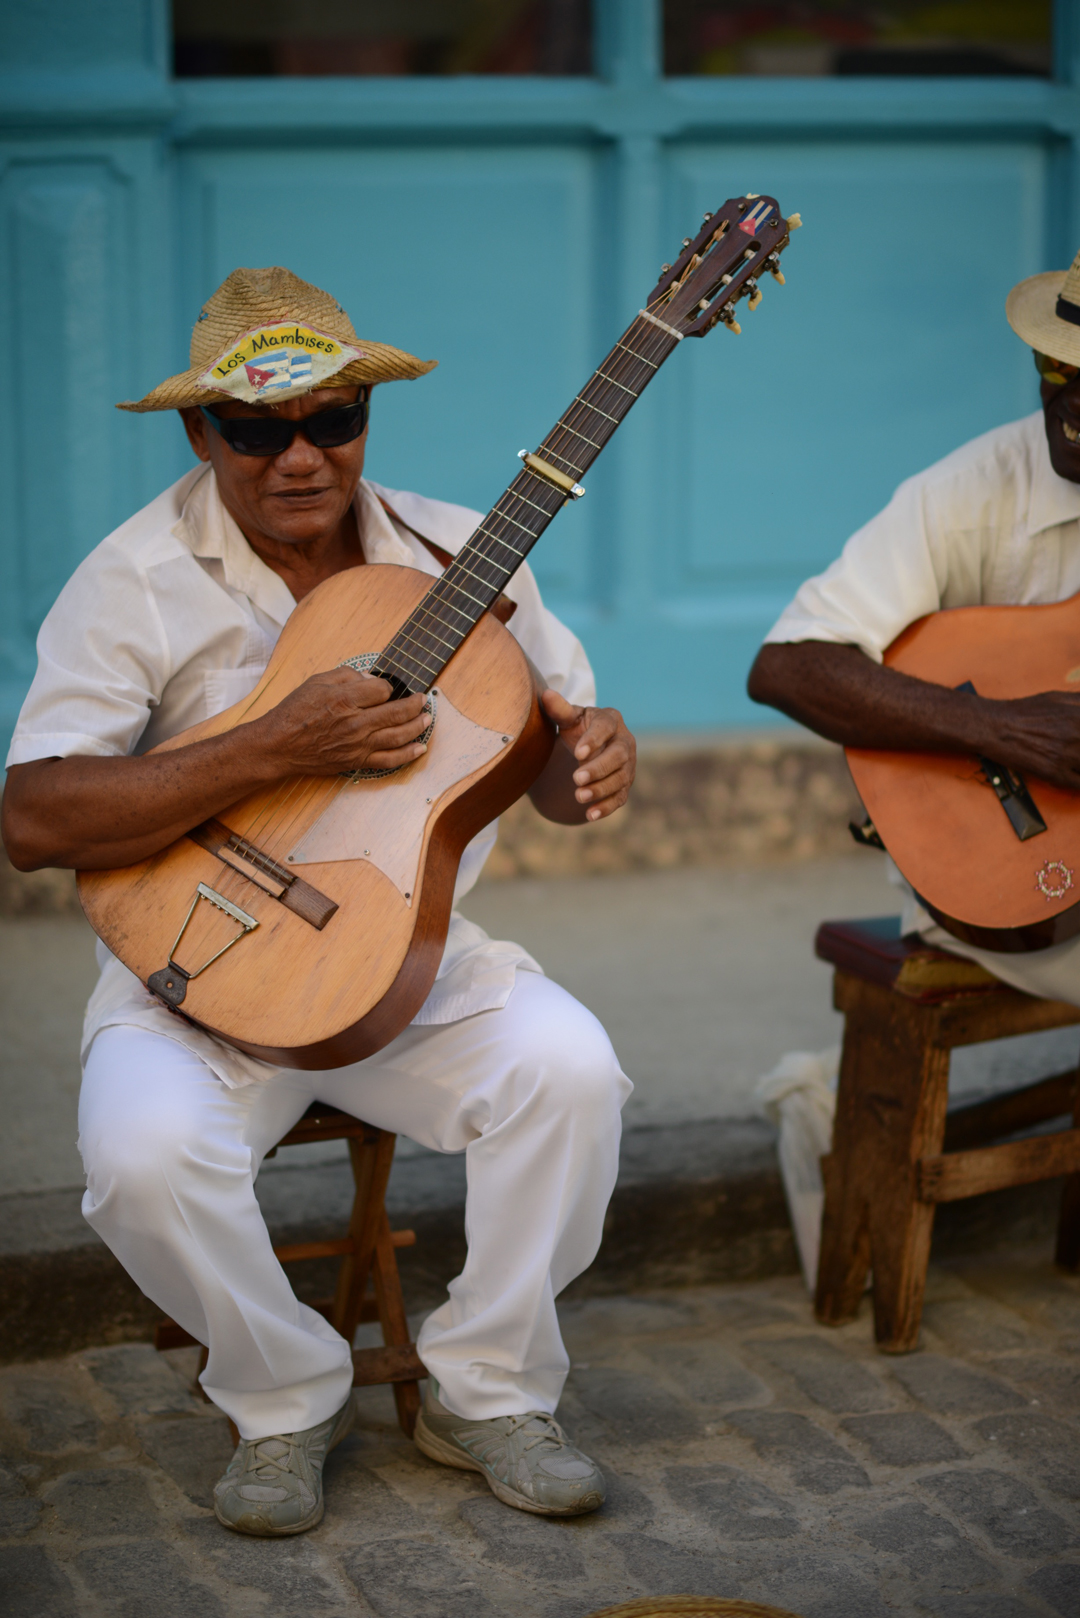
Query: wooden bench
[(368, 1284), (895, 1154)]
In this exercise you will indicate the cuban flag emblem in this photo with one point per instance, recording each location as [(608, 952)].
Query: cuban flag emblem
[(752, 222), (289, 369)]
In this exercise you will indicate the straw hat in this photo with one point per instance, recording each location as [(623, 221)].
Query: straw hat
[(264, 336), (1045, 311)]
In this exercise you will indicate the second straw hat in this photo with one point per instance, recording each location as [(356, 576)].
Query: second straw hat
[(266, 335), (1045, 311)]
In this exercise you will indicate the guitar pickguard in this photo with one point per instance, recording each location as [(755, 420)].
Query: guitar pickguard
[(384, 820)]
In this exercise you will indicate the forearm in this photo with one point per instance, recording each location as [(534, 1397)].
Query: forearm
[(98, 813), (843, 695)]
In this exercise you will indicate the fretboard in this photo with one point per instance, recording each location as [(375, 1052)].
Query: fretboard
[(477, 576)]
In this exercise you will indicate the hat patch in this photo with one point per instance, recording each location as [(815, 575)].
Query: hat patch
[(277, 362)]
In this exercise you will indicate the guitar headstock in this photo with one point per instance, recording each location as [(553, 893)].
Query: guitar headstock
[(723, 262)]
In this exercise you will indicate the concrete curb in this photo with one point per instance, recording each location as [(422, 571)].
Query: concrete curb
[(696, 1203)]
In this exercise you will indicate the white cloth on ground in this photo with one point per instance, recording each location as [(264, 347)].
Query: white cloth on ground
[(799, 1096), (173, 618), (991, 524), (531, 1093)]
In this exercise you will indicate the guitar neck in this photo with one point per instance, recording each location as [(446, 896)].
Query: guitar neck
[(428, 639)]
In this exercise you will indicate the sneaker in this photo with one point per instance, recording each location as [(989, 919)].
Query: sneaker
[(273, 1485), (527, 1461)]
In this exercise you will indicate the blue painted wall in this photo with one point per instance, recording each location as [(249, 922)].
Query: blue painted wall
[(510, 228)]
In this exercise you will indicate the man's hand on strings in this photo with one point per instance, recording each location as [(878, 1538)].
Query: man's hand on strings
[(342, 720), (592, 768)]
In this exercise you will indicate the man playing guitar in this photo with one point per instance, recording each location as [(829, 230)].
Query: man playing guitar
[(997, 521), (173, 619)]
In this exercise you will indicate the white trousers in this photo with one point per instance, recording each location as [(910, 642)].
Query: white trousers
[(531, 1093)]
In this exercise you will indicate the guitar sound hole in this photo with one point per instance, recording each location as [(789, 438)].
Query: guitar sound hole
[(362, 662)]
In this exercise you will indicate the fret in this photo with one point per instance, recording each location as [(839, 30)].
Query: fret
[(513, 494), (423, 631), (539, 486), (637, 356), (479, 556), (612, 380), (590, 406), (461, 590), (399, 659), (505, 543), (554, 455), (506, 517), (442, 601), (565, 427)]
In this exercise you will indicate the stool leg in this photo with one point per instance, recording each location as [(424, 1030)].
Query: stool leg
[(890, 1112), (393, 1320), (371, 1161), (1067, 1252)]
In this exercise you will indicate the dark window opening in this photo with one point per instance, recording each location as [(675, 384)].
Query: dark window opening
[(260, 38), (898, 38)]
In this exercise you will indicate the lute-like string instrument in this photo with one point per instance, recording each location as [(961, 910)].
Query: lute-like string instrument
[(994, 858), (305, 924)]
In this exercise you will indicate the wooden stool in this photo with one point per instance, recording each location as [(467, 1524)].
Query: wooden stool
[(895, 1155), (367, 1258)]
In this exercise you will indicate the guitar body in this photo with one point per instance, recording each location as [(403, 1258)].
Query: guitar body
[(367, 868), (938, 814)]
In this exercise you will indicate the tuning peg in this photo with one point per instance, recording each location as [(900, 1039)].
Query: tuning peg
[(772, 264), (664, 268), (728, 317), (794, 221), (705, 218), (755, 295), (687, 240)]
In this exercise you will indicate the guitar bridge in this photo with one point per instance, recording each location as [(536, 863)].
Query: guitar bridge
[(283, 885)]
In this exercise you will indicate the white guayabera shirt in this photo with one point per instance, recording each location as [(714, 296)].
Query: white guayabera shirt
[(991, 524), (172, 619)]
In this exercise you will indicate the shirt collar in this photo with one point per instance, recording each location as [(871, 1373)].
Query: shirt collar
[(1054, 499), (209, 531)]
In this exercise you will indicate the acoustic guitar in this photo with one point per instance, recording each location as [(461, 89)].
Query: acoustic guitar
[(305, 924), (994, 858)]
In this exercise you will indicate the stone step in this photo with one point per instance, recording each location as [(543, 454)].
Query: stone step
[(696, 1203)]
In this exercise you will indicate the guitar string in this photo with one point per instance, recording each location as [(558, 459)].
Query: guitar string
[(482, 550), (599, 391), (595, 395), (441, 595)]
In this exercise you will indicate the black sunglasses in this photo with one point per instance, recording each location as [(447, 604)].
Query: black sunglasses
[(268, 435)]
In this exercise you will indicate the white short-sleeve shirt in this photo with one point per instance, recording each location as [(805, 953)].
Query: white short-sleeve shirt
[(173, 618), (990, 524)]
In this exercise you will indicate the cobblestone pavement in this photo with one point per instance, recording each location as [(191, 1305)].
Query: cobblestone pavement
[(749, 1452)]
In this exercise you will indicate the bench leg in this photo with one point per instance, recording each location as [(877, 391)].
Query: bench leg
[(373, 1257), (890, 1112), (371, 1159), (392, 1318)]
